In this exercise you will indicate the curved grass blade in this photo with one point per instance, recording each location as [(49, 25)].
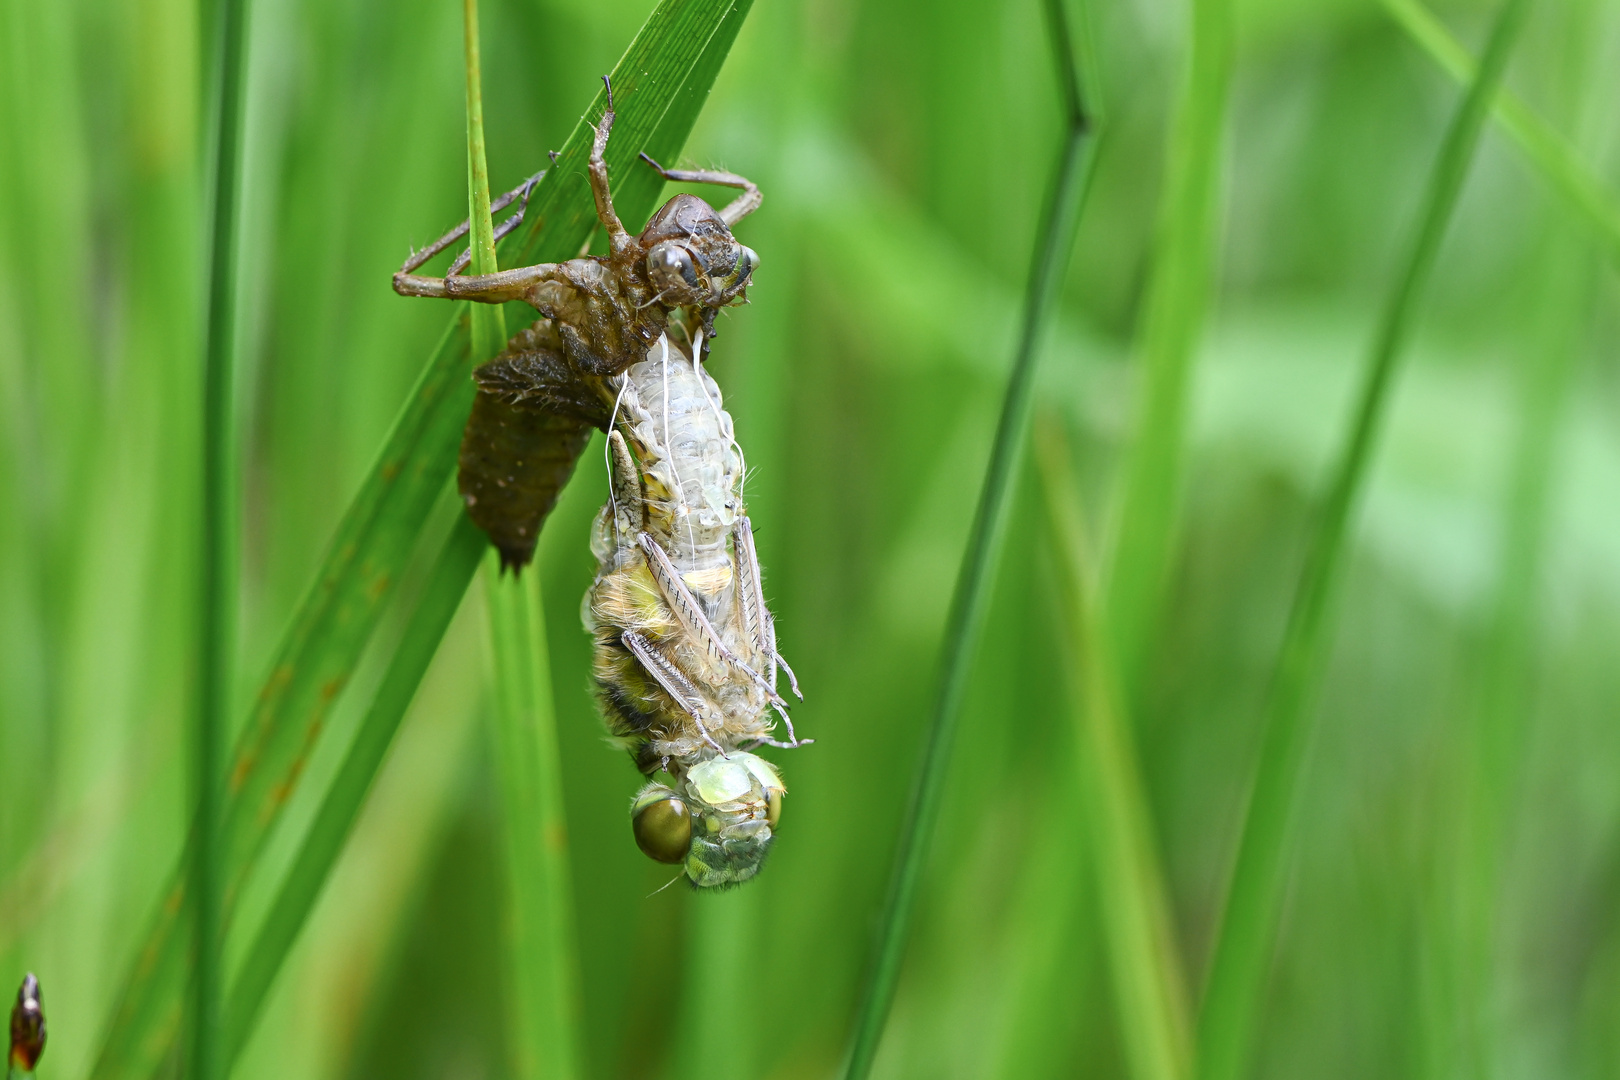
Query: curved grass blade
[(1149, 987), (318, 654), (659, 86), (1558, 162), (216, 586), (334, 821), (1243, 947), (1172, 319), (972, 593)]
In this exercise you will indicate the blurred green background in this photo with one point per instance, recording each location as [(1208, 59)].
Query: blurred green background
[(904, 150)]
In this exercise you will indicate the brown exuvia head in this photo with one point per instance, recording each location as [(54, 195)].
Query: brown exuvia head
[(692, 258)]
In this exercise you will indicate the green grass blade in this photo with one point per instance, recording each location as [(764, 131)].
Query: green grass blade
[(971, 595), (317, 656), (1552, 155), (659, 86), (1149, 987), (1172, 320), (1243, 947), (1493, 743), (216, 586), (541, 959), (657, 103), (442, 596)]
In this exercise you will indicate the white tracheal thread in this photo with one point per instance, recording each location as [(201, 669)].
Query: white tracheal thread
[(728, 430), (683, 509)]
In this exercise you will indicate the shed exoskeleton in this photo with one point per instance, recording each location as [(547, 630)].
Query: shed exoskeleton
[(685, 648), (601, 313)]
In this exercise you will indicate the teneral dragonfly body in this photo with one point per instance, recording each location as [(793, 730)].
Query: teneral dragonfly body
[(685, 647)]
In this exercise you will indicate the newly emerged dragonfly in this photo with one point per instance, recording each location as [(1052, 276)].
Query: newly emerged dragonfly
[(685, 647)]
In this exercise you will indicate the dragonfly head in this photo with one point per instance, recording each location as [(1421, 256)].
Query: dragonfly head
[(692, 258), (717, 824)]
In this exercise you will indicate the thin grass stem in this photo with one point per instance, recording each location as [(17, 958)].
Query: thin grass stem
[(216, 585), (1172, 320), (1243, 946), (1144, 963), (488, 320), (972, 593), (1550, 152), (542, 964), (541, 961)]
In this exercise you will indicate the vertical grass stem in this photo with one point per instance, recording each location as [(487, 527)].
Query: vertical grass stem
[(1172, 319), (543, 969), (1243, 947), (1144, 964), (542, 966), (488, 321), (971, 596), (216, 600)]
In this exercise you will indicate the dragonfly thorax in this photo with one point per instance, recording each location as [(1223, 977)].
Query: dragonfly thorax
[(670, 412)]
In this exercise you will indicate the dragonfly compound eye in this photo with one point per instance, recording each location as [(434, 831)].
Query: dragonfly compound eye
[(730, 286), (662, 825), (673, 270)]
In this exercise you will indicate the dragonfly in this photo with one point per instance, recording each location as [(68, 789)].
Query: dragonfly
[(685, 659)]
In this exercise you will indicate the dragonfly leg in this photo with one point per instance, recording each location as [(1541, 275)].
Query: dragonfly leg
[(793, 737), (750, 596), (618, 239), (761, 740), (520, 192), (777, 659), (629, 510), (757, 618), (738, 208), (496, 288), (687, 612), (668, 676)]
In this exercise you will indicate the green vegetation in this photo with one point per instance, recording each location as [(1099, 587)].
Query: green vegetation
[(970, 599), (1431, 878)]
